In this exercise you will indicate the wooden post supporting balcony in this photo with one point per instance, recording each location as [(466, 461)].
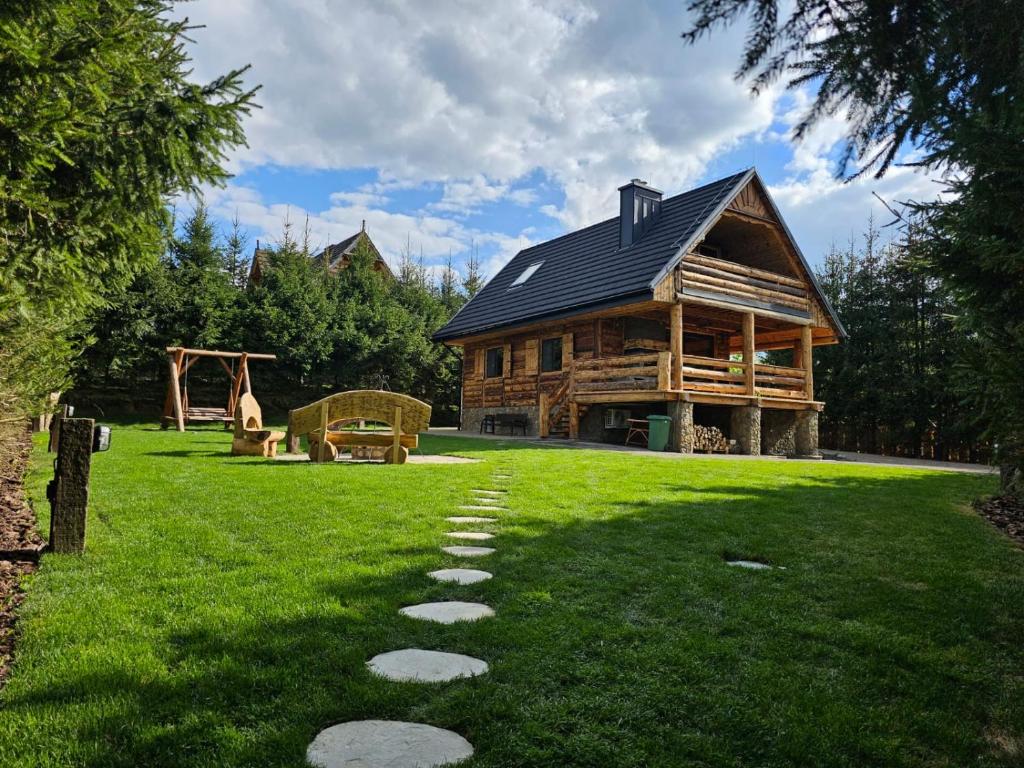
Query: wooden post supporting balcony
[(749, 357), (542, 416), (574, 420), (664, 372), (807, 360), (676, 336)]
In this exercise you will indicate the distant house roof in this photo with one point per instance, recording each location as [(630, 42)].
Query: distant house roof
[(586, 270), (339, 255), (334, 257)]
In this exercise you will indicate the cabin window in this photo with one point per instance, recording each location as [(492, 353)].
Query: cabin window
[(526, 274), (495, 364), (551, 355)]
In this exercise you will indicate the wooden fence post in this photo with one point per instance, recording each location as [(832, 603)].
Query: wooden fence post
[(69, 494)]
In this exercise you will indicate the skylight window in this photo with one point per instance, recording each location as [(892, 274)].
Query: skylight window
[(526, 274)]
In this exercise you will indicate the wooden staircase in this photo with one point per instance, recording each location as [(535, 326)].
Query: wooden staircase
[(558, 422)]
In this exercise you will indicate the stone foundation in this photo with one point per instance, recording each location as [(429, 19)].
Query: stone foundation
[(746, 429), (806, 442), (680, 438), (778, 432), (471, 418), (592, 426)]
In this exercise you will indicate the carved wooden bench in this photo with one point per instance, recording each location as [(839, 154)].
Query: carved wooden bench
[(406, 416)]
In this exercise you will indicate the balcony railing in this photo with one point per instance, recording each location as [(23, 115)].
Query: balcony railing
[(741, 284)]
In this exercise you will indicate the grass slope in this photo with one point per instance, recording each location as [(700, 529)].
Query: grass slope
[(226, 606)]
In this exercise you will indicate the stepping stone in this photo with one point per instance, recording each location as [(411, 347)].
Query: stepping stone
[(386, 744), (751, 564), (460, 575), (468, 551), (470, 535), (482, 507), (471, 519), (415, 665), (486, 492), (448, 612), (487, 500)]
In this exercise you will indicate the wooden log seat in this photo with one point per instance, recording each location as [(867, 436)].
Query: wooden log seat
[(250, 438), (406, 416)]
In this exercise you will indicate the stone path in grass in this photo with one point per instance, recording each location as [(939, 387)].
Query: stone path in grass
[(391, 744), (470, 535), (460, 551), (751, 564), (460, 575), (386, 744), (415, 665), (448, 611)]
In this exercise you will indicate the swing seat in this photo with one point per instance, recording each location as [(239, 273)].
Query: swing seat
[(251, 439), (207, 414)]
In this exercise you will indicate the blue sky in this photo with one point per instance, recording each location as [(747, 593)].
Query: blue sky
[(459, 127)]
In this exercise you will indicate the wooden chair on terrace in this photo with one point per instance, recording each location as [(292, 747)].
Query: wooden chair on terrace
[(251, 439), (406, 416), (639, 429)]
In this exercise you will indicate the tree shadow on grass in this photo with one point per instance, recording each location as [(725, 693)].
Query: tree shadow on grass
[(622, 638)]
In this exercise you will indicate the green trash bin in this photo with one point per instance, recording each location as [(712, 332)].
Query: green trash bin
[(657, 432)]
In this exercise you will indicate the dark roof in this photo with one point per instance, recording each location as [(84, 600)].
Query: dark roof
[(335, 251), (334, 255), (586, 270)]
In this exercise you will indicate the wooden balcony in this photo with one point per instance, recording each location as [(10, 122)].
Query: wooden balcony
[(707, 279)]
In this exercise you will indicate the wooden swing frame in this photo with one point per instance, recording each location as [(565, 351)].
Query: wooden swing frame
[(176, 404)]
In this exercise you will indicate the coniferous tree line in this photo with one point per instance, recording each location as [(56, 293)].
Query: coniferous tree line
[(945, 79), (100, 125), (898, 383), (355, 328)]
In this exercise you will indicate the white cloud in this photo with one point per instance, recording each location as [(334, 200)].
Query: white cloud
[(434, 237), (474, 99), (477, 96)]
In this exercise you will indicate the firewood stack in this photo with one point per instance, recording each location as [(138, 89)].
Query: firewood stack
[(709, 440)]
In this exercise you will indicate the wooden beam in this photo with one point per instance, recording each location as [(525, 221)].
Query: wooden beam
[(218, 353), (322, 447), (174, 361), (664, 370), (749, 355), (807, 361), (676, 336), (705, 302), (574, 420), (396, 443), (542, 425), (236, 385), (637, 396)]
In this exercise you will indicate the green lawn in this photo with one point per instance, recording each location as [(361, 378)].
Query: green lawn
[(226, 607)]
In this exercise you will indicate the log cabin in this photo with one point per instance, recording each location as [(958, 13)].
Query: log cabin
[(663, 309)]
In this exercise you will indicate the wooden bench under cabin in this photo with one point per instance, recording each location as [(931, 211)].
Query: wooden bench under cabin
[(327, 424), (509, 421)]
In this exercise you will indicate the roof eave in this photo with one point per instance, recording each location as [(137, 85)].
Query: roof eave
[(614, 301)]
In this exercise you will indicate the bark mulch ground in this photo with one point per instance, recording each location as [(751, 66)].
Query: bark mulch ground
[(1006, 513), (20, 541)]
